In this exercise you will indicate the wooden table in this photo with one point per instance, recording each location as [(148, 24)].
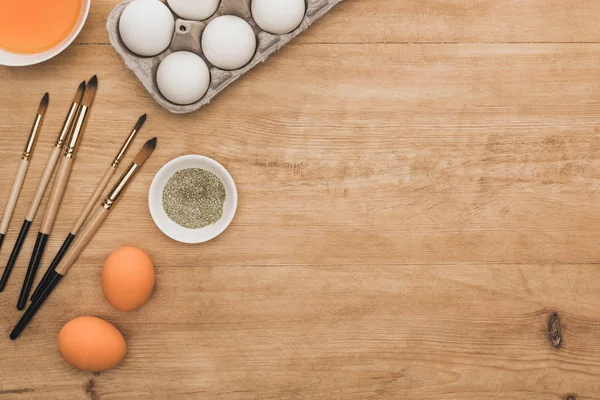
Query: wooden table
[(417, 195)]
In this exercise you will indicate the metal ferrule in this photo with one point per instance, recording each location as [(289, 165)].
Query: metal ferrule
[(120, 186), (121, 153), (32, 138), (78, 128), (67, 125)]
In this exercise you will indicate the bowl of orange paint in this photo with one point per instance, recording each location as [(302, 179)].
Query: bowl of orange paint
[(33, 31)]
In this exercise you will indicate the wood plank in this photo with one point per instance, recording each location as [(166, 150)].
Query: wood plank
[(411, 212), (352, 332), (407, 21), (417, 154)]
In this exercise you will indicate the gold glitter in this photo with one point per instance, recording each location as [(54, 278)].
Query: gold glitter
[(193, 198)]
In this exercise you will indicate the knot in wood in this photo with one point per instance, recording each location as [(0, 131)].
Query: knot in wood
[(554, 331)]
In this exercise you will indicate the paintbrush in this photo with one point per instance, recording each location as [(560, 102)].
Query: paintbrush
[(84, 237), (22, 171), (62, 178), (84, 214), (39, 193)]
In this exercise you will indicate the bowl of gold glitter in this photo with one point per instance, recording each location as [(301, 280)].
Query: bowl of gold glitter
[(192, 199)]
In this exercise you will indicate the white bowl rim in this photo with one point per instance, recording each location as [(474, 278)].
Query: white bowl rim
[(181, 234), (10, 59)]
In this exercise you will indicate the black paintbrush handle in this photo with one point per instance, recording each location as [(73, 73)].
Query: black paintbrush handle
[(14, 254), (52, 267), (34, 263), (34, 306), (1, 239)]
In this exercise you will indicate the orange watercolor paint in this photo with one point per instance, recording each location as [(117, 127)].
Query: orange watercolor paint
[(34, 26)]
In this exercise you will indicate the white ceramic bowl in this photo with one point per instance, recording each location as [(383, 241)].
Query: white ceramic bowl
[(19, 60), (178, 232)]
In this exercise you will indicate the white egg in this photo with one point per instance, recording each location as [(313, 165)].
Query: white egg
[(228, 42), (183, 77), (278, 16), (194, 9), (146, 27)]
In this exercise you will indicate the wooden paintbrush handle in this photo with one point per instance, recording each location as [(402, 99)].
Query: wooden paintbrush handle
[(93, 199), (58, 190), (82, 240), (14, 196), (39, 193)]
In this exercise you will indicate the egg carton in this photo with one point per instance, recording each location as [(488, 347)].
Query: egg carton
[(187, 37)]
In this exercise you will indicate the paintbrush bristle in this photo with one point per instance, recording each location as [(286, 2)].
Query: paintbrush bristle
[(79, 94), (43, 104), (145, 152), (90, 92), (140, 122)]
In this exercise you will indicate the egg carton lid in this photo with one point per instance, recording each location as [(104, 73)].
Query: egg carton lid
[(187, 37)]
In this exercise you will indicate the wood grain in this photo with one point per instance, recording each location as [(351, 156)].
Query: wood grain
[(352, 332), (93, 200), (13, 197), (83, 239), (417, 187), (434, 21)]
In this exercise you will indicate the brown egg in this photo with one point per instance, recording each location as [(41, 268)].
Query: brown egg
[(91, 344), (127, 278)]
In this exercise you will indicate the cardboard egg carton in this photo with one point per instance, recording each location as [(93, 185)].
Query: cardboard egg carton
[(187, 37)]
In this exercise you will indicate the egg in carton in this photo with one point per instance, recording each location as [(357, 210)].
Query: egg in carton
[(187, 37)]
